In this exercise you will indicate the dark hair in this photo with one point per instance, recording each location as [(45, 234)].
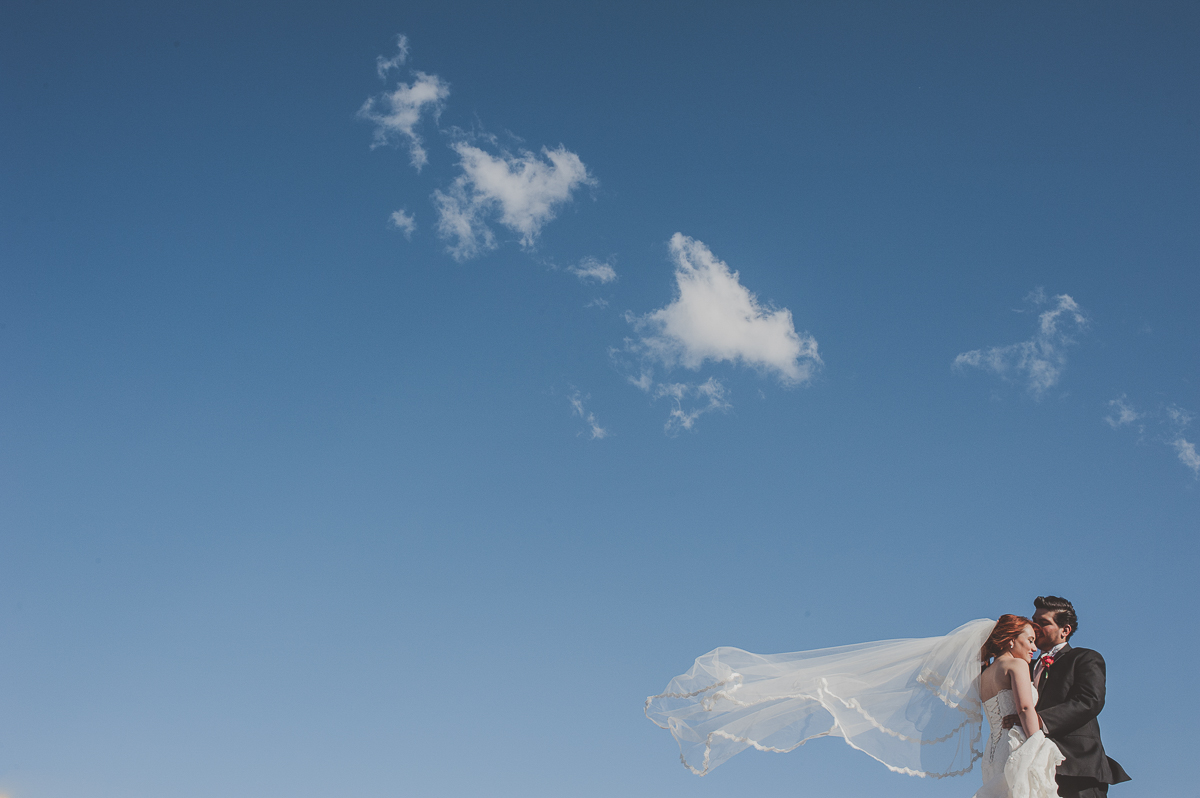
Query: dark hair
[(1006, 630), (1064, 613)]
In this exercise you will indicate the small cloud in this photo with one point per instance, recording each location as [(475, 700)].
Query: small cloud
[(397, 112), (1178, 416), (714, 317), (1121, 413), (1187, 454), (403, 222), (1040, 360), (592, 269), (384, 65), (523, 191), (643, 381), (1169, 421), (596, 431), (710, 395), (597, 303)]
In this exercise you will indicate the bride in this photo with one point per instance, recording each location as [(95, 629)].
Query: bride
[(914, 705)]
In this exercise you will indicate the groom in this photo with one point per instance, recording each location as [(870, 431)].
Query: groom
[(1070, 684)]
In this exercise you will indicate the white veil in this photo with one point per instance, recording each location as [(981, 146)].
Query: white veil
[(911, 704)]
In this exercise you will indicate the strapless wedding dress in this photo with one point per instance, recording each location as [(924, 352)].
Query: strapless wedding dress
[(1015, 766)]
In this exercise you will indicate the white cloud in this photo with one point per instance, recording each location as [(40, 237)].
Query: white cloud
[(710, 395), (524, 191), (384, 65), (1169, 421), (598, 302), (397, 112), (643, 381), (592, 269), (1187, 454), (1178, 416), (1041, 359), (403, 222), (714, 317), (595, 430), (1121, 413)]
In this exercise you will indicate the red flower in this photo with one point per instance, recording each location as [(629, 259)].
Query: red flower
[(1048, 660)]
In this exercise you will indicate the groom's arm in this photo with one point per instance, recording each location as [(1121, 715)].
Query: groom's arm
[(1084, 701)]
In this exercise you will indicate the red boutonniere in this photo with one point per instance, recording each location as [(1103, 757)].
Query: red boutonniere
[(1048, 660)]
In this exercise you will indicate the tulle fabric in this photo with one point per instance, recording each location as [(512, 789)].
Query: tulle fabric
[(911, 704)]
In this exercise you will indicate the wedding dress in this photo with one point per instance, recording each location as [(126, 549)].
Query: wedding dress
[(1015, 766), (912, 704)]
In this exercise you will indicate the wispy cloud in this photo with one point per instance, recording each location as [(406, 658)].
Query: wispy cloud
[(688, 400), (385, 65), (522, 191), (397, 112), (592, 269), (1187, 454), (404, 222), (704, 398), (1179, 420), (1170, 423), (716, 318), (1039, 361), (1121, 413), (1178, 416), (595, 431)]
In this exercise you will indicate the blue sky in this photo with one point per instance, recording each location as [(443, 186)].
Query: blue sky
[(774, 327)]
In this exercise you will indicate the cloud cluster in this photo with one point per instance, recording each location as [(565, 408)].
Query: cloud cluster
[(1170, 422), (707, 396), (1039, 361), (396, 113), (520, 191), (595, 430), (716, 318)]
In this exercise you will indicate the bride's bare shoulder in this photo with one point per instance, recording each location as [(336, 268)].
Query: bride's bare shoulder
[(1010, 667)]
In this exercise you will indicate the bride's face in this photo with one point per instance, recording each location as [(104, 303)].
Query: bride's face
[(1025, 644)]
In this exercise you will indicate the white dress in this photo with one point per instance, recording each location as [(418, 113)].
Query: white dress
[(1015, 766)]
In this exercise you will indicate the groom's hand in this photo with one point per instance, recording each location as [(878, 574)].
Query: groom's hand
[(1008, 721)]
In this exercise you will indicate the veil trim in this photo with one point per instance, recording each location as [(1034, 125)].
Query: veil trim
[(852, 703)]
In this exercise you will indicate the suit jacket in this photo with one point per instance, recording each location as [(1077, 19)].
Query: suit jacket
[(1070, 697)]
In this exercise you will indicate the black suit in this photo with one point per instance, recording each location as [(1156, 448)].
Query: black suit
[(1070, 696)]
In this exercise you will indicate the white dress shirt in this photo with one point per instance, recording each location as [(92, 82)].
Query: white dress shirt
[(1041, 666)]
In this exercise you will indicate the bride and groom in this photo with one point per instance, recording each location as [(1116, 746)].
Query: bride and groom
[(914, 705)]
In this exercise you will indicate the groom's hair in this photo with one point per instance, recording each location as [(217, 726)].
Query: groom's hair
[(1064, 613)]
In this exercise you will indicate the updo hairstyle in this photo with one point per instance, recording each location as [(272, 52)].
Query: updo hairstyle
[(1006, 630)]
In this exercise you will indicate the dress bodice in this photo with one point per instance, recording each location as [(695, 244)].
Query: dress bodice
[(996, 708), (1001, 704), (1032, 761)]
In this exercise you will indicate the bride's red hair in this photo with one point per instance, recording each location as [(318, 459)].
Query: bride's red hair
[(1006, 630)]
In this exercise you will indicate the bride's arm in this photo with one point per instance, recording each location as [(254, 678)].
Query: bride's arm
[(1022, 689)]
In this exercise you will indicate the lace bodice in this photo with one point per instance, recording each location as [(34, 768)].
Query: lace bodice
[(1013, 764), (1001, 704), (995, 708)]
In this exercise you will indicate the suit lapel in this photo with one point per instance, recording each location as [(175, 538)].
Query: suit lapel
[(1046, 673)]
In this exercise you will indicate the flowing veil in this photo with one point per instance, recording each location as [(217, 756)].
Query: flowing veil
[(911, 704)]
